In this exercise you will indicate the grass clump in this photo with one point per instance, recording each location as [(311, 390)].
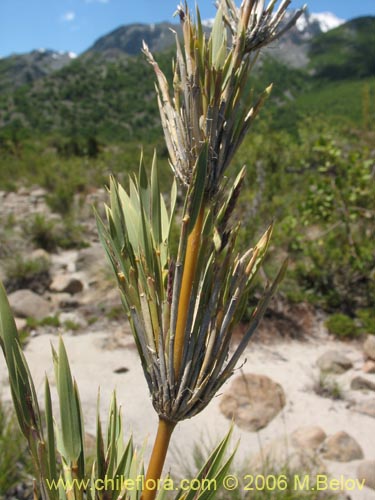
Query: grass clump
[(71, 325), (42, 232), (33, 323), (22, 272), (342, 325), (327, 387), (115, 313), (14, 462), (49, 234), (274, 481)]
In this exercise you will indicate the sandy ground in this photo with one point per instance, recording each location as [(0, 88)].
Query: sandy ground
[(291, 363)]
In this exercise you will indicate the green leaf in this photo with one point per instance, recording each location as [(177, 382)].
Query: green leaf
[(69, 412), (124, 464), (213, 469), (173, 198), (51, 447), (100, 455), (144, 189), (219, 41), (112, 435), (81, 460), (155, 197), (8, 332), (132, 219), (22, 387)]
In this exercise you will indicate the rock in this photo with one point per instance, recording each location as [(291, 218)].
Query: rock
[(73, 320), (369, 366), (63, 300), (20, 323), (252, 401), (366, 407), (64, 262), (40, 254), (90, 258), (334, 362), (65, 283), (22, 491), (362, 384), (287, 320), (310, 437), (120, 338), (369, 347), (28, 304), (366, 472), (37, 193), (341, 447), (120, 370), (280, 455)]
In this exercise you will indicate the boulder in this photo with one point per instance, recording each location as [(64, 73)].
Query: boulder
[(36, 193), (63, 300), (40, 254), (252, 401), (369, 366), (366, 472), (64, 262), (369, 347), (90, 258), (366, 407), (341, 447), (21, 323), (65, 283), (334, 362), (74, 319), (362, 384), (310, 437), (280, 455), (26, 303)]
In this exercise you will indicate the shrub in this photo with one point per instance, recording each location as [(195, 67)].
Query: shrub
[(42, 232), (341, 325), (367, 319), (50, 234)]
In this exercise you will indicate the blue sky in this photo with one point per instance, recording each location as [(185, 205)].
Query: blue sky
[(73, 25)]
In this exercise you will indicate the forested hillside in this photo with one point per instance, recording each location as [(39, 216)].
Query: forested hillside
[(310, 155)]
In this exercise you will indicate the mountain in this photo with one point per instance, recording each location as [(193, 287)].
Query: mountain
[(292, 49), (347, 51), (17, 70), (326, 20), (294, 46), (91, 96), (108, 92), (128, 39), (320, 22)]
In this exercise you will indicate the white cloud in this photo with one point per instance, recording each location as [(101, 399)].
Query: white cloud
[(68, 16)]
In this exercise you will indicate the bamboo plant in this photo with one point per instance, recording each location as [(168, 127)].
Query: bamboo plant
[(182, 307)]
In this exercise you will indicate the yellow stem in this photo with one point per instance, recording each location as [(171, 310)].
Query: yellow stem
[(191, 257), (159, 452)]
